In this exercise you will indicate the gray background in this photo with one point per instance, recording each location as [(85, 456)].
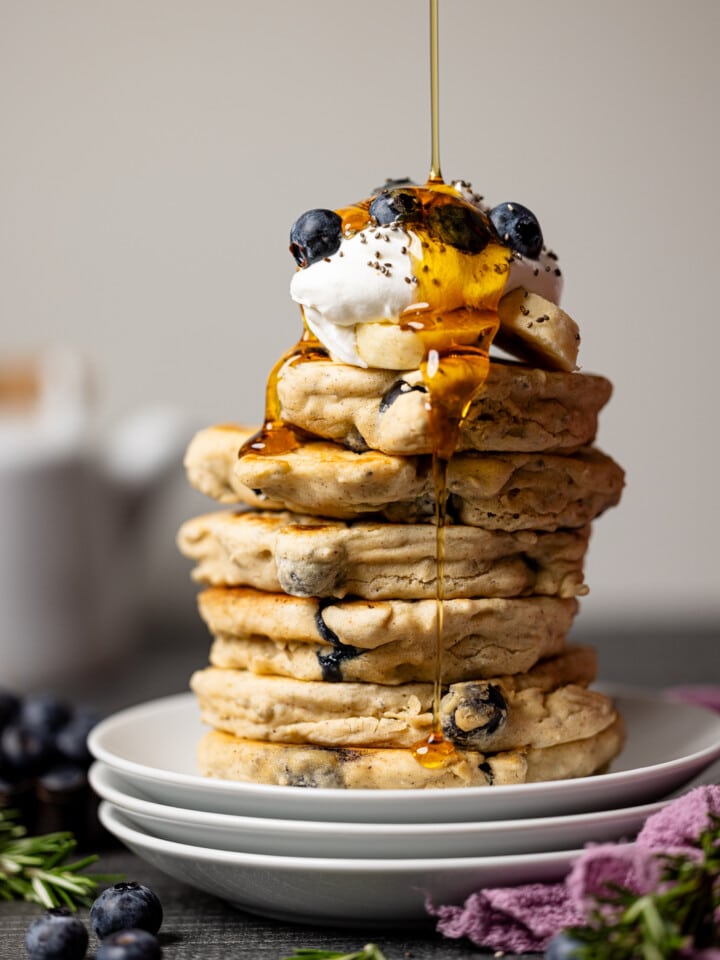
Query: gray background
[(153, 154)]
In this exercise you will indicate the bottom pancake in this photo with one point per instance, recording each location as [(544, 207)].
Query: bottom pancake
[(227, 757)]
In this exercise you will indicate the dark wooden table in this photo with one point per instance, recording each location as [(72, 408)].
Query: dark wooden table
[(200, 927)]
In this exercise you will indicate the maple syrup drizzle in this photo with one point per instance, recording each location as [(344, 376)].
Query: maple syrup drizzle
[(435, 175), (453, 380), (276, 436), (453, 377)]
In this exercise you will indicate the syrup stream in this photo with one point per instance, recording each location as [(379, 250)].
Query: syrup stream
[(435, 175), (453, 379), (435, 751)]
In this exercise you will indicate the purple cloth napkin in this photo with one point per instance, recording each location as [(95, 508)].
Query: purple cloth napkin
[(523, 919)]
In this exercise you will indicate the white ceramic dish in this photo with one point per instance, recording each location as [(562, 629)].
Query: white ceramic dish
[(314, 838), (332, 891), (152, 749)]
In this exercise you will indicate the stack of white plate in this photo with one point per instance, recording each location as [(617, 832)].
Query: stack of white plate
[(348, 856)]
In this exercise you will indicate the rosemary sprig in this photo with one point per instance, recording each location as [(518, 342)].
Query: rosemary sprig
[(35, 868), (369, 952), (676, 917)]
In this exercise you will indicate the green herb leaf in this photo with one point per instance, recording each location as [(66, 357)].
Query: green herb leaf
[(369, 952), (35, 868)]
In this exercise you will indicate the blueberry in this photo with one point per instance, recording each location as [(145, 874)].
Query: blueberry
[(9, 706), (460, 226), (124, 906), (64, 778), (314, 235), (564, 946), (482, 701), (395, 206), (71, 740), (24, 752), (44, 713), (519, 228), (129, 945), (58, 935)]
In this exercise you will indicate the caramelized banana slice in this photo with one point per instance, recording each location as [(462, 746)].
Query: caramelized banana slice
[(537, 330)]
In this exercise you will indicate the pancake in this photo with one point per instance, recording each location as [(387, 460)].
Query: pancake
[(520, 409), (511, 491), (390, 642), (503, 491), (307, 558), (549, 704), (225, 756)]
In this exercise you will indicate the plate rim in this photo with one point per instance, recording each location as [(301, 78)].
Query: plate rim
[(360, 828), (108, 811), (376, 797)]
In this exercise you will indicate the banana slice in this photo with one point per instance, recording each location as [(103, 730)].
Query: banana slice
[(392, 346), (537, 330)]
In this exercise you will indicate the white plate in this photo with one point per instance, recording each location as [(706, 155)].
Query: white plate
[(152, 748), (333, 891), (315, 838)]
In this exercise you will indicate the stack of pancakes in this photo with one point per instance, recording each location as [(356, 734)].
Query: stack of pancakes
[(320, 591)]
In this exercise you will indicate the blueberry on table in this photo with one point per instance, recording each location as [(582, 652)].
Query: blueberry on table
[(71, 739), (24, 752), (564, 946), (9, 707), (44, 713), (63, 778), (316, 234), (129, 945), (395, 206), (519, 228), (125, 906), (57, 935)]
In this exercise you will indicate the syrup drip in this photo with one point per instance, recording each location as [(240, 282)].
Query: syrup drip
[(276, 437), (435, 175), (453, 376), (453, 380)]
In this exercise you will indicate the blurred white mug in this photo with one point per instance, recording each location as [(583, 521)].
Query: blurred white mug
[(69, 517)]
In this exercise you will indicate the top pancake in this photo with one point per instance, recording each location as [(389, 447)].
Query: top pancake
[(520, 409)]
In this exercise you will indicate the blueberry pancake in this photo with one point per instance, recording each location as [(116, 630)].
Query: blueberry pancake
[(361, 768), (503, 491), (307, 557), (389, 641), (520, 409), (549, 704)]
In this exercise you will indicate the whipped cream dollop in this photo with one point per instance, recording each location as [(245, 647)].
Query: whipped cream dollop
[(370, 278), (442, 253)]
